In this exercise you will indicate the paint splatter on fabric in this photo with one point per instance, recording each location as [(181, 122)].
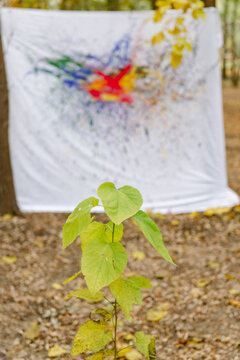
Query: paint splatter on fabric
[(92, 100)]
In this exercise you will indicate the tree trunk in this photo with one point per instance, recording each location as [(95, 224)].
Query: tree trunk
[(154, 6), (113, 5), (225, 38), (234, 69), (8, 204), (209, 3)]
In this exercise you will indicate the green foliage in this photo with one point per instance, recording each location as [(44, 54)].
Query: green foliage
[(92, 336), (119, 204), (87, 295), (94, 230), (127, 293), (103, 261), (105, 313), (118, 232), (100, 355), (72, 277), (141, 282), (152, 349), (152, 233), (78, 221), (145, 344)]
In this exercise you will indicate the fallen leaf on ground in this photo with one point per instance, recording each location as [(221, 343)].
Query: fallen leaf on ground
[(57, 286), (163, 306), (155, 315), (9, 259), (234, 302), (128, 336), (33, 332), (216, 211), (237, 208), (139, 255), (175, 222), (56, 351), (229, 277), (162, 274), (7, 217), (123, 352), (203, 283), (194, 215), (234, 292), (133, 355), (39, 243), (214, 265)]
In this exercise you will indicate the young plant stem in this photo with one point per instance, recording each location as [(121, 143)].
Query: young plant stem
[(113, 232), (115, 329), (115, 313)]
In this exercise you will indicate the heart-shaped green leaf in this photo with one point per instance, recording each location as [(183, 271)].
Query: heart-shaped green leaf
[(102, 263), (86, 295), (78, 220), (126, 293), (146, 344), (95, 230), (92, 336), (119, 204)]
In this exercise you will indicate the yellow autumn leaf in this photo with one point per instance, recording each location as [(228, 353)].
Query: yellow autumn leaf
[(38, 243), (194, 215), (155, 315), (176, 59), (209, 212), (9, 259), (71, 277), (56, 351), (214, 265), (199, 14), (33, 332), (234, 292), (124, 351), (56, 286), (180, 20), (128, 336), (158, 38), (139, 255), (234, 302), (160, 12), (162, 3), (237, 208), (175, 31), (181, 4), (163, 306), (133, 355), (7, 217), (175, 222), (217, 211), (188, 46), (203, 283), (229, 277)]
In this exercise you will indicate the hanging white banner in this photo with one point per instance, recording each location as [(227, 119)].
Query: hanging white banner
[(92, 100)]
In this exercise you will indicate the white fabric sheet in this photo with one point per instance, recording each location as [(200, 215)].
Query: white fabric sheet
[(91, 100)]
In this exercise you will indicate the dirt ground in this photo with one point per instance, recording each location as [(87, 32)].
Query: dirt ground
[(199, 300)]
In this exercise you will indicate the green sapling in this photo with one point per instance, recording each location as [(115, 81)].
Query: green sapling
[(103, 261)]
